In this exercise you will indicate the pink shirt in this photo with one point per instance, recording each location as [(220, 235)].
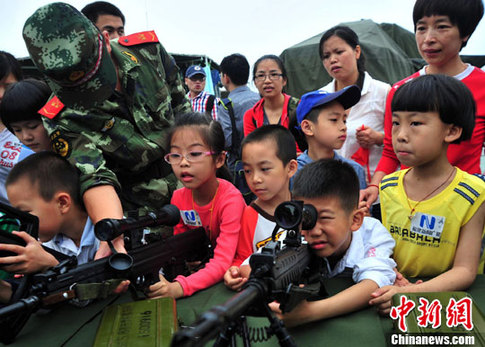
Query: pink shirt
[(224, 232)]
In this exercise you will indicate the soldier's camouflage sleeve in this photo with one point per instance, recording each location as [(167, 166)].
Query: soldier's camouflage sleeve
[(180, 102), (82, 153)]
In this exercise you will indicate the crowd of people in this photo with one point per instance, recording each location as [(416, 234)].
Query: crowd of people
[(112, 130)]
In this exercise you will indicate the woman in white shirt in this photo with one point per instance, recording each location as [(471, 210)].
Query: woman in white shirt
[(342, 57)]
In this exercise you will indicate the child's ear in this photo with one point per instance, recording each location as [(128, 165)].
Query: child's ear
[(292, 167), (454, 133), (221, 159), (63, 201), (357, 219), (307, 127)]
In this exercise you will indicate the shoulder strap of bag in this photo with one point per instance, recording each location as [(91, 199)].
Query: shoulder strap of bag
[(210, 104), (227, 104)]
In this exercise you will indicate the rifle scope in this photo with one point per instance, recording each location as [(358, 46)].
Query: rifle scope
[(290, 214), (109, 229)]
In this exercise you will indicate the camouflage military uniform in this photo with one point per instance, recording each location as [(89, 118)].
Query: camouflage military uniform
[(119, 141)]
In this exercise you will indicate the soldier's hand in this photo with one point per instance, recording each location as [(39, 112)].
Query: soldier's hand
[(105, 251)]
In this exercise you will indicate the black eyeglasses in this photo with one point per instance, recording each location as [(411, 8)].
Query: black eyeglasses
[(272, 76)]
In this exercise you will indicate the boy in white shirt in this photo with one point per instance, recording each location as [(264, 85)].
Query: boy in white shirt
[(351, 244), (47, 186)]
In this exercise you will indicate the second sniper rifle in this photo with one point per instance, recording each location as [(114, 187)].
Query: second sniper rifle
[(141, 265), (276, 274)]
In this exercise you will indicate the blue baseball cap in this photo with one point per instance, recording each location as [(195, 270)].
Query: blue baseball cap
[(347, 96), (194, 70)]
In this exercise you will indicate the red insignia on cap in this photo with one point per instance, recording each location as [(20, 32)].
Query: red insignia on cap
[(136, 39), (52, 108)]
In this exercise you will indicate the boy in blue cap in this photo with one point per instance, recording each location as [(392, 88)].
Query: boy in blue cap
[(201, 101), (322, 119)]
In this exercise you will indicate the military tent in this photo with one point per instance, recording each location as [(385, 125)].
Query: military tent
[(390, 55)]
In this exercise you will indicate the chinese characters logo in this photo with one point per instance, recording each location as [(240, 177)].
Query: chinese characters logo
[(458, 312)]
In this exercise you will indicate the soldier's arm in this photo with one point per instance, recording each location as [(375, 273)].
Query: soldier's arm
[(103, 202), (180, 102), (98, 183)]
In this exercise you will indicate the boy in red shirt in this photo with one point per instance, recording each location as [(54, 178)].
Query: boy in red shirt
[(269, 159)]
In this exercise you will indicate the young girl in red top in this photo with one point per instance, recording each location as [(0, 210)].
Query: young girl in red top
[(196, 154)]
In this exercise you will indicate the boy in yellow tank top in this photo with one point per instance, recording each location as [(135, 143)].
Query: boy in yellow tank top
[(433, 210)]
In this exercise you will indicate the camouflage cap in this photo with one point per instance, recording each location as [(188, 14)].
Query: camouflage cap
[(67, 48)]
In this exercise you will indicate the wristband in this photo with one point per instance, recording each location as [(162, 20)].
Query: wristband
[(373, 185)]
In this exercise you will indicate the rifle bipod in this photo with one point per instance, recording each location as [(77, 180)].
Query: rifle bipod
[(240, 327)]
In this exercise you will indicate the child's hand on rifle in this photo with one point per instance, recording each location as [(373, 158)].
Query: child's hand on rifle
[(122, 287), (165, 288), (30, 258), (301, 314), (233, 278)]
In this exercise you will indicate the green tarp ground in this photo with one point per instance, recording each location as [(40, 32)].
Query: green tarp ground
[(390, 55)]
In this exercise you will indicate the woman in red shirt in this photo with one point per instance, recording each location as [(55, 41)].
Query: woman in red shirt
[(442, 29), (275, 107)]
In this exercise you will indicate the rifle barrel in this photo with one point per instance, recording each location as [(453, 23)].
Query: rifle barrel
[(212, 321)]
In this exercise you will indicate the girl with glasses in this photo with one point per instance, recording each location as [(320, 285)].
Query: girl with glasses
[(196, 145)]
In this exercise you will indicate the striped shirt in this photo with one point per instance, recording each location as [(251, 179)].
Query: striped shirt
[(199, 103)]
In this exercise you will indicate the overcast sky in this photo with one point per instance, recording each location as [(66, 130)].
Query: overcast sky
[(221, 27)]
